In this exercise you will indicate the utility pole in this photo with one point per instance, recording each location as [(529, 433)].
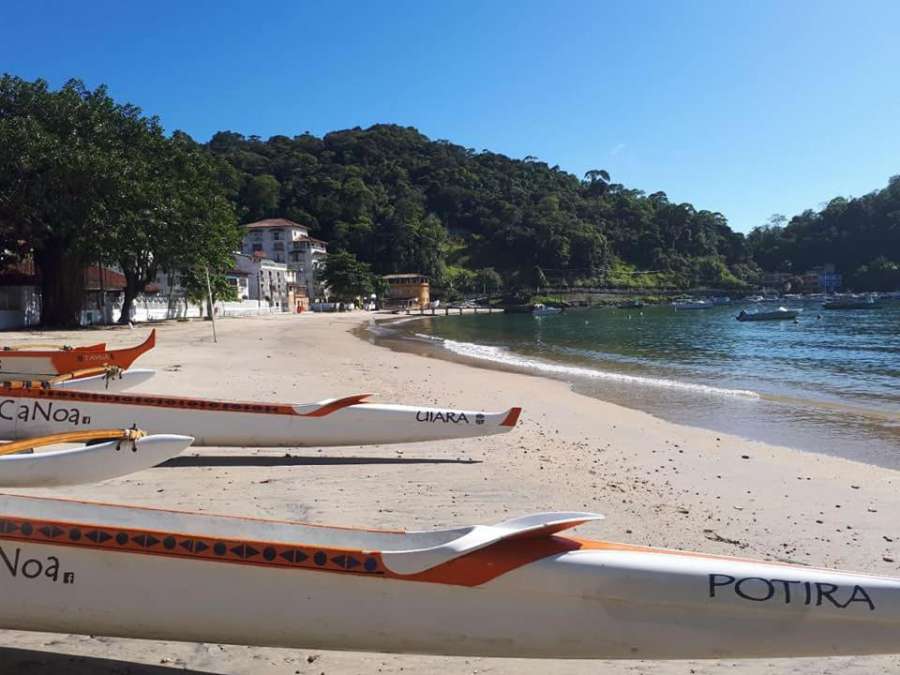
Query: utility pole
[(212, 310)]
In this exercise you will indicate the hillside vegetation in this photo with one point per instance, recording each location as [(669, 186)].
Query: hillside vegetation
[(402, 202)]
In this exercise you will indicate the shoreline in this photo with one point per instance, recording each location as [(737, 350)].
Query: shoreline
[(659, 483), (850, 431)]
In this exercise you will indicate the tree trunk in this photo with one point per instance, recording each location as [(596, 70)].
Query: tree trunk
[(62, 285), (133, 286)]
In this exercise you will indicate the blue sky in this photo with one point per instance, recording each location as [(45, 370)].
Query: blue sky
[(748, 108)]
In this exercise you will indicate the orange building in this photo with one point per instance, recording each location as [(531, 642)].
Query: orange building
[(408, 290)]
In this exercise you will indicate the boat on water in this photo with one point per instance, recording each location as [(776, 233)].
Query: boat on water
[(851, 302), (109, 453), (545, 310), (26, 412), (720, 300), (692, 304), (780, 314), (27, 362), (515, 589), (630, 304)]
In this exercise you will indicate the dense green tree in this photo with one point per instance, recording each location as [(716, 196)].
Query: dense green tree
[(260, 197), (84, 180), (487, 281), (68, 164), (179, 219), (347, 278), (860, 236)]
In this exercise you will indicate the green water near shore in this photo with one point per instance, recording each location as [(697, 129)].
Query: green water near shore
[(828, 383)]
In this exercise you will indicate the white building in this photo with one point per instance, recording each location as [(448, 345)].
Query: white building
[(267, 280), (284, 241), (240, 281)]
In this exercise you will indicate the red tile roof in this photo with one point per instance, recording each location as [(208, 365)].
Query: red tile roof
[(274, 222), (25, 272)]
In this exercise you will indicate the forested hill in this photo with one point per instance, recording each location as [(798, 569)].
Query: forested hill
[(860, 236), (403, 202)]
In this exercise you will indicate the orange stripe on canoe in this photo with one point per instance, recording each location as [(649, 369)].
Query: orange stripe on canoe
[(37, 390), (472, 569)]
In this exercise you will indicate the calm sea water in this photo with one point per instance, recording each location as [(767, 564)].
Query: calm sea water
[(829, 383)]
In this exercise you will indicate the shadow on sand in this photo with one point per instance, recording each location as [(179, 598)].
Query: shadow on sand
[(294, 460), (30, 662)]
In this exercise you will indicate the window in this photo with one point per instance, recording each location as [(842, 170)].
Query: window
[(276, 235), (257, 248), (278, 246)]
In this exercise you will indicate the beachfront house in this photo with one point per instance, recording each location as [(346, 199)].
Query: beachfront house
[(284, 241), (407, 290)]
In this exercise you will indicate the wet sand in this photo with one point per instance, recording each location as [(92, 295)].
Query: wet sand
[(658, 483)]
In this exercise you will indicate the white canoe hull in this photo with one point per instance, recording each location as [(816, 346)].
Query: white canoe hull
[(28, 413), (127, 572), (90, 463)]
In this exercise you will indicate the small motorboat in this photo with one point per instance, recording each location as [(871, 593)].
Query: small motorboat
[(630, 304), (780, 314), (544, 310)]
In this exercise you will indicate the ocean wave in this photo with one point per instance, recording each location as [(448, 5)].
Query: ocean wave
[(504, 356)]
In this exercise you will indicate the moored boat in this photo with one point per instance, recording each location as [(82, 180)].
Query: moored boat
[(27, 363), (851, 302), (515, 589), (545, 310), (26, 412), (780, 314), (692, 304), (113, 453), (630, 304)]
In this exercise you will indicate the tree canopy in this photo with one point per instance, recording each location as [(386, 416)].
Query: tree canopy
[(404, 203), (860, 236), (84, 179)]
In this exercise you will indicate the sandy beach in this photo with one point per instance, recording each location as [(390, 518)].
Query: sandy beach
[(658, 484)]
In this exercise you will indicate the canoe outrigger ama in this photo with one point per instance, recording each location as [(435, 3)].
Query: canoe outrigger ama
[(516, 589), (110, 453), (24, 363), (27, 411)]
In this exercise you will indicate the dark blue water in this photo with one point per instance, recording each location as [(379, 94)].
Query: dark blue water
[(827, 383)]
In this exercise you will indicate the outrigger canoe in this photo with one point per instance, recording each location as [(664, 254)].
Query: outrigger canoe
[(516, 589), (27, 411), (26, 363), (114, 452)]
